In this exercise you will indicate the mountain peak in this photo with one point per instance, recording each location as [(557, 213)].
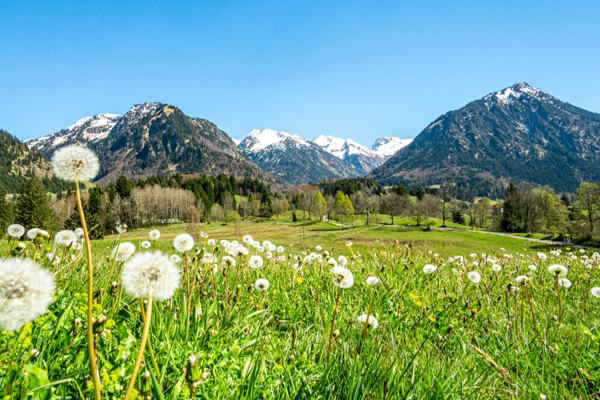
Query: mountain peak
[(387, 146), (259, 139), (515, 92)]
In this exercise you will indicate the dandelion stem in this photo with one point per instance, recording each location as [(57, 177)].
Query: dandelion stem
[(90, 329), (531, 307), (337, 300), (364, 331), (140, 355), (559, 301)]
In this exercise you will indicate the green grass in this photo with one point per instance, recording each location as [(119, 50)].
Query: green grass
[(439, 336)]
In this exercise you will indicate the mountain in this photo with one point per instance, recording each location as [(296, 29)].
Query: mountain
[(154, 139), (88, 129), (388, 146), (293, 159), (360, 157), (17, 162), (518, 134)]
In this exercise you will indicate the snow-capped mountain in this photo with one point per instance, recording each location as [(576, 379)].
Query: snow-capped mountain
[(153, 139), (293, 158), (517, 134), (388, 146), (88, 129), (361, 157)]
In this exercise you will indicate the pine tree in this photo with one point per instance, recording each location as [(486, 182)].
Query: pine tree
[(6, 212), (511, 217), (33, 206), (94, 226)]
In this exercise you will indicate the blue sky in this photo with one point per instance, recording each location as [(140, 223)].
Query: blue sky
[(353, 69)]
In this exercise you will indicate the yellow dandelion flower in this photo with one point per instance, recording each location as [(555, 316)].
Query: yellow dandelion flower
[(299, 279), (431, 319), (274, 291), (474, 310), (413, 296), (419, 303), (48, 248), (251, 298)]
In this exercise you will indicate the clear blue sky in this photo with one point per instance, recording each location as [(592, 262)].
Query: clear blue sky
[(353, 69)]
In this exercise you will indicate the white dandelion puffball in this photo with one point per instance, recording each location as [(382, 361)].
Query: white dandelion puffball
[(241, 251), (370, 320), (65, 238), (522, 279), (342, 277), (32, 233), (496, 268), (532, 268), (343, 261), (25, 292), (204, 235), (542, 256), (77, 246), (429, 269), (80, 234), (474, 276), (154, 234), (75, 163), (558, 269), (255, 262), (16, 230), (228, 260), (256, 244), (146, 244), (261, 285), (183, 243), (150, 275), (564, 282), (268, 255), (372, 281), (280, 249), (332, 262), (260, 249), (247, 239), (348, 244), (175, 258), (595, 291), (208, 259), (211, 242), (318, 248), (123, 251)]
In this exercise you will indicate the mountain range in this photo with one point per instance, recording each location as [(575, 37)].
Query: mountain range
[(518, 134), (153, 139)]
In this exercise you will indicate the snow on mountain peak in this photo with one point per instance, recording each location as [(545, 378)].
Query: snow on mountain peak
[(388, 146), (342, 148), (510, 94), (260, 139)]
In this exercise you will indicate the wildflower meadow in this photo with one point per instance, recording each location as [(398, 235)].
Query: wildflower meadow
[(222, 317)]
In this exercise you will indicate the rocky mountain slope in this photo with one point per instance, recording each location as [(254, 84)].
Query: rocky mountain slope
[(154, 139), (293, 159), (362, 158), (518, 134)]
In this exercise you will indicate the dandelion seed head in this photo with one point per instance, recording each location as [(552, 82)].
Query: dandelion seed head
[(247, 239), (532, 268), (183, 243), (595, 291), (240, 251), (318, 248), (564, 282), (75, 163), (32, 233), (496, 268), (25, 292), (521, 280), (342, 277), (261, 285), (80, 234), (65, 238), (175, 258), (280, 249), (429, 269), (150, 274), (15, 230), (370, 320), (255, 262), (211, 242), (122, 251), (343, 261), (558, 269), (474, 276), (154, 234), (228, 260), (372, 281), (146, 244)]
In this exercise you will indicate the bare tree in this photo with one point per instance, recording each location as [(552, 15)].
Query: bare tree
[(430, 208)]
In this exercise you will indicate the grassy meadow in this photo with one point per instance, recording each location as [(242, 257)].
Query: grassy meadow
[(438, 335)]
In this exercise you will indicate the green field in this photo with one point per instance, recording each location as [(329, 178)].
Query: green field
[(439, 335)]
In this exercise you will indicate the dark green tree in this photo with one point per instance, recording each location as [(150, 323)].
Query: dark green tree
[(6, 212), (33, 206), (511, 220), (123, 187), (94, 226)]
